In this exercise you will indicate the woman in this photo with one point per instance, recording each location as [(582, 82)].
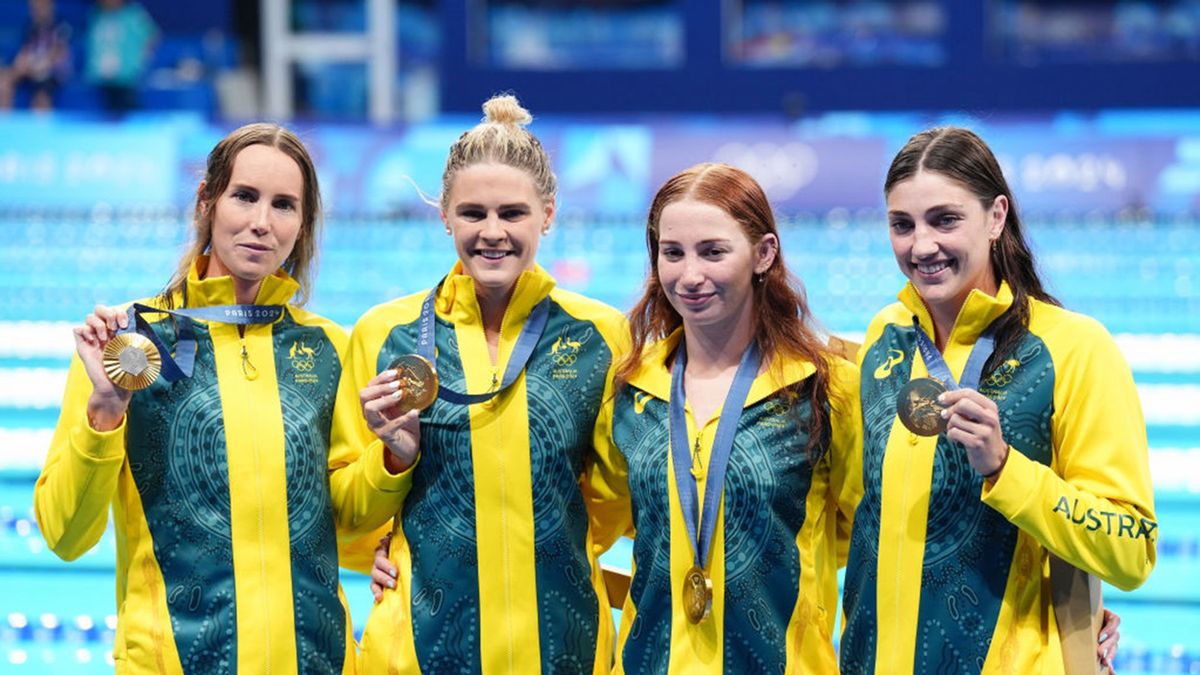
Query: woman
[(1042, 451), (492, 555), (727, 370), (218, 472)]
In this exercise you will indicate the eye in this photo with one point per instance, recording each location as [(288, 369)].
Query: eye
[(472, 214), (948, 219), (671, 252), (245, 196), (514, 214), (285, 204), (716, 252), (900, 226)]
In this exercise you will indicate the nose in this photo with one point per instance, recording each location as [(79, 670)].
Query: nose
[(692, 273), (260, 222), (491, 230), (924, 241)]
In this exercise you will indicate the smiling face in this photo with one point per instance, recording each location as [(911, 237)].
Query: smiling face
[(942, 235), (706, 265), (257, 219), (497, 219)]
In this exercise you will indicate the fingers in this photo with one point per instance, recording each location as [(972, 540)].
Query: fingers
[(114, 318)]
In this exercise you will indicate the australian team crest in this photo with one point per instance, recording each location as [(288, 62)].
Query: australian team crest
[(303, 362), (564, 353)]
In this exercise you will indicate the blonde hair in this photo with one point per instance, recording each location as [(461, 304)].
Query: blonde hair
[(301, 263), (501, 138)]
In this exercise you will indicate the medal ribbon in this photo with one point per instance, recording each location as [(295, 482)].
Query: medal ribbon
[(731, 413), (972, 371), (531, 332), (180, 365)]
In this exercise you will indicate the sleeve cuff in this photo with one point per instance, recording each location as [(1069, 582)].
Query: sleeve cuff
[(98, 445), (378, 475), (1013, 488)]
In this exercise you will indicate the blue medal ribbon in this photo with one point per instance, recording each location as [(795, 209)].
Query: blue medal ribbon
[(972, 371), (731, 413), (531, 332), (181, 364)]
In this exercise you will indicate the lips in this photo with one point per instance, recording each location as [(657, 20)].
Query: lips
[(256, 248), (493, 254), (932, 268), (694, 299)]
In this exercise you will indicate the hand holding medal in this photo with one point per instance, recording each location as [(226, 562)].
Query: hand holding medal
[(928, 406), (108, 402)]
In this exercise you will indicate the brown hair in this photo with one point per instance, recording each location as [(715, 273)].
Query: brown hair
[(783, 324), (962, 156), (501, 138), (302, 261)]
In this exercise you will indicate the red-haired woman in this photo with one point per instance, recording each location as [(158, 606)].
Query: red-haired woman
[(735, 426)]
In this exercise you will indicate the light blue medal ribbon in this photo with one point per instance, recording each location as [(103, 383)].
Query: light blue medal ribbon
[(180, 365), (531, 332), (972, 371), (697, 596)]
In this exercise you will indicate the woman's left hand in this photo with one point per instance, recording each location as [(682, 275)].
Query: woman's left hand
[(973, 421), (1110, 637)]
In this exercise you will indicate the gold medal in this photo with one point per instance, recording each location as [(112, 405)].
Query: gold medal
[(697, 595), (918, 407), (418, 382), (131, 361)]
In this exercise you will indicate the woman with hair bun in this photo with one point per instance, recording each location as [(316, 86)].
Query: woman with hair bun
[(483, 396)]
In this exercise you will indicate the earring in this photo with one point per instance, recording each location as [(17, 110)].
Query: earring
[(758, 278)]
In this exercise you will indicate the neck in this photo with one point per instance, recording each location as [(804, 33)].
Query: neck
[(712, 349), (492, 306), (245, 291), (943, 323)]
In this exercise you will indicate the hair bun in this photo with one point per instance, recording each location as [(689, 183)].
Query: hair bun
[(505, 109)]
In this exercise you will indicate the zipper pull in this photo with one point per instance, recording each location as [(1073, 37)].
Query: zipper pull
[(248, 368), (697, 464)]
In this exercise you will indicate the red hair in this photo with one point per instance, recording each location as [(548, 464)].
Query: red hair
[(783, 324)]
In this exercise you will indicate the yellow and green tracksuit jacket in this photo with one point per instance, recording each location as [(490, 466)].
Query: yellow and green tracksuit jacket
[(948, 575), (497, 569), (782, 527), (224, 497)]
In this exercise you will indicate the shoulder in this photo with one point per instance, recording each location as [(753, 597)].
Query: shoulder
[(893, 314), (333, 331), (385, 316), (608, 320), (1069, 335)]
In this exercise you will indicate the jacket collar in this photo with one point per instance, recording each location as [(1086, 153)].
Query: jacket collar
[(276, 289), (457, 301), (653, 375), (977, 313)]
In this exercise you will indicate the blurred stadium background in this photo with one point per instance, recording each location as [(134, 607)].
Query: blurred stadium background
[(1094, 108)]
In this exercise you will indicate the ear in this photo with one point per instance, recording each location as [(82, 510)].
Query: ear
[(765, 252), (445, 221), (550, 211), (997, 216), (200, 197)]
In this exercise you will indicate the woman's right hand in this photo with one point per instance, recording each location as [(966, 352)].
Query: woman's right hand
[(399, 431), (383, 574), (108, 402)]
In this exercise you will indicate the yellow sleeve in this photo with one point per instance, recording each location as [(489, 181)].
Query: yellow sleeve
[(79, 480), (365, 495), (605, 481), (845, 450), (1095, 507)]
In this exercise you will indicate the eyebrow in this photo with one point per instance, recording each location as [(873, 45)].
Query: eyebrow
[(932, 209), (260, 191), (717, 240), (513, 205)]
